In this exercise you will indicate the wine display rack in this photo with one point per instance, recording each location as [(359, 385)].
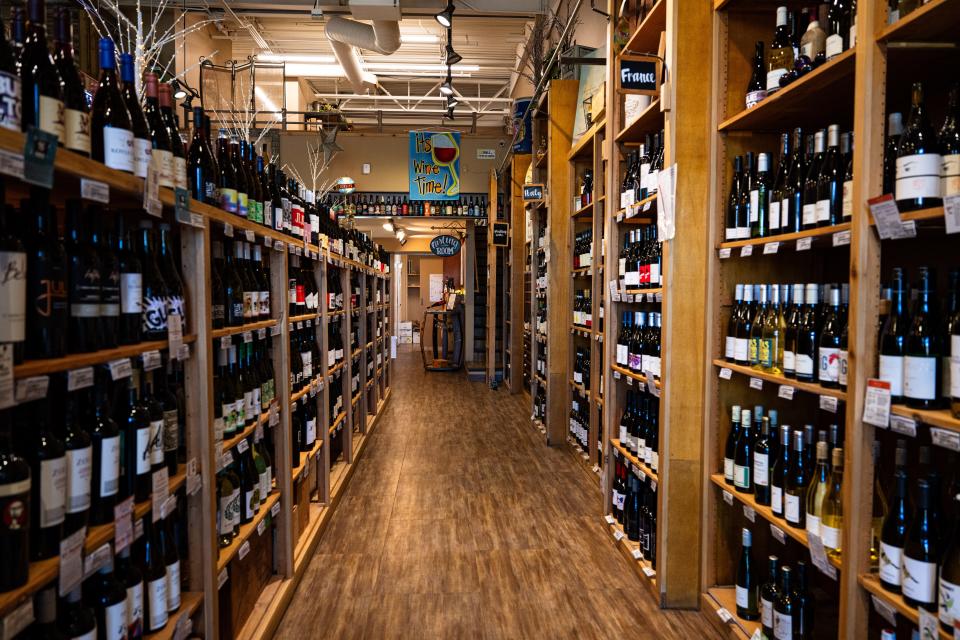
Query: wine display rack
[(240, 590), (856, 89)]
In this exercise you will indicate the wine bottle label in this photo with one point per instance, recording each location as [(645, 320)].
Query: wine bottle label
[(774, 215), (782, 626), (226, 518), (164, 160), (655, 460), (918, 176), (154, 314), (135, 610), (50, 116), (755, 97), (950, 175), (115, 621), (766, 613), (891, 370), (741, 476), (578, 377), (157, 603), (173, 585), (809, 214), (754, 211), (740, 349), (76, 125), (13, 294), (766, 354), (84, 289), (773, 79), (251, 501), (228, 200), (729, 347), (804, 364), (175, 306), (171, 430), (634, 361), (654, 273), (53, 491), (156, 442), (143, 450), (949, 602), (789, 360), (339, 353), (109, 466), (131, 293), (919, 579), (847, 210), (776, 500), (631, 278), (792, 508), (79, 467), (753, 350), (248, 304), (619, 500), (240, 411), (243, 206), (743, 597), (9, 101), (834, 45), (822, 208), (90, 635), (813, 524), (15, 506), (891, 558), (955, 366), (761, 469), (142, 150), (311, 431), (118, 148), (180, 172), (829, 370), (249, 409), (920, 377), (830, 536)]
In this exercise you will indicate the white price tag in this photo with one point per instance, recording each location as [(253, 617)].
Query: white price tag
[(175, 333), (886, 216), (786, 392), (275, 510), (803, 244), (928, 623), (841, 238), (629, 381), (71, 561), (7, 390), (79, 378), (728, 497), (228, 229), (887, 611), (120, 368), (652, 383), (637, 554), (724, 253), (818, 554), (746, 251), (160, 484), (618, 535), (242, 446), (778, 533), (876, 404), (648, 571), (771, 248), (151, 360), (11, 164), (724, 615), (94, 190), (757, 635), (183, 628), (903, 425), (243, 550), (250, 236), (829, 403), (17, 620), (33, 388), (275, 329), (261, 334), (756, 383), (261, 527), (183, 353), (247, 337), (123, 524), (951, 213), (95, 561), (750, 513), (726, 373), (944, 438), (222, 578), (610, 519)]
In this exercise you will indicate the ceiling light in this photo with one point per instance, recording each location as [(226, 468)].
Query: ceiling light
[(449, 115), (401, 236), (295, 57), (179, 92), (447, 87), (402, 66), (445, 17), (300, 70), (452, 101), (418, 38), (388, 225), (452, 56)]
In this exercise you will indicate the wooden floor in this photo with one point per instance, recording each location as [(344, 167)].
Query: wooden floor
[(460, 523)]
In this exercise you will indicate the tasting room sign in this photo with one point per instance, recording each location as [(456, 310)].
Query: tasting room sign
[(445, 246), (639, 74), (501, 234), (434, 165)]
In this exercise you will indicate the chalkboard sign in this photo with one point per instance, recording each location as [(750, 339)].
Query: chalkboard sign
[(445, 246), (639, 75), (532, 192), (501, 234)]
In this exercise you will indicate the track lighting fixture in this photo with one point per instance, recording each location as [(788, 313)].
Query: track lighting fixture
[(445, 17), (388, 225), (452, 56), (452, 101), (447, 87), (401, 236)]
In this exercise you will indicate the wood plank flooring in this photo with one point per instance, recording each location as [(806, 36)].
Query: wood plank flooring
[(460, 523)]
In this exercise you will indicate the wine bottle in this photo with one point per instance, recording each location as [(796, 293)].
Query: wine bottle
[(176, 294), (829, 203), (156, 293), (102, 243), (757, 87), (761, 464), (131, 286), (41, 86), (893, 338), (831, 516), (108, 600), (743, 456), (84, 282), (804, 602), (828, 352), (838, 26), (921, 361), (171, 418), (130, 578), (13, 263), (918, 159), (227, 181), (730, 340), (772, 336), (135, 478), (951, 318), (76, 115), (9, 83), (890, 150), (76, 620), (746, 586), (154, 576), (162, 151), (760, 199), (921, 554), (795, 486), (171, 557), (111, 131), (879, 511), (169, 120), (105, 440), (949, 581), (744, 327), (15, 491), (778, 476), (893, 533), (949, 141), (44, 451), (198, 171), (806, 349), (791, 331), (769, 593), (142, 144), (814, 40), (810, 191), (47, 306), (79, 456), (817, 491), (784, 609), (45, 608), (226, 492), (791, 203)]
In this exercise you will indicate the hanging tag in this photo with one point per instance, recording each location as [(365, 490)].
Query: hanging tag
[(250, 236), (183, 353), (887, 611), (876, 403), (928, 623), (778, 533), (174, 332), (275, 509), (262, 334), (803, 244), (724, 615), (746, 251), (818, 555), (903, 425), (786, 392), (728, 497), (648, 571), (243, 550), (95, 561), (183, 628), (951, 213), (750, 513), (151, 360), (71, 561), (261, 527), (828, 403), (724, 253), (771, 248), (94, 190), (7, 387), (618, 535), (610, 519), (39, 153), (222, 578), (637, 554), (79, 378), (120, 369), (11, 164), (160, 482), (756, 383), (841, 238), (228, 229), (151, 189), (17, 620), (123, 524), (34, 388), (726, 373), (944, 438)]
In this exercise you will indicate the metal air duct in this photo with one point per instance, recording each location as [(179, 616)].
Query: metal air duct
[(383, 36)]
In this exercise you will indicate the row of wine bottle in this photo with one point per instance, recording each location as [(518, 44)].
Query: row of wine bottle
[(583, 249), (811, 187), (240, 284), (369, 204), (580, 420), (640, 427), (634, 503), (582, 308), (777, 465), (797, 331), (244, 482), (638, 342), (642, 167), (640, 259), (97, 286), (244, 384)]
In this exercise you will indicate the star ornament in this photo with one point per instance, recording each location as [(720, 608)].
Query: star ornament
[(329, 145)]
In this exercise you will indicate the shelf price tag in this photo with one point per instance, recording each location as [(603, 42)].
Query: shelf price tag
[(123, 524), (771, 248), (726, 373), (928, 623), (71, 561), (648, 571), (616, 375), (886, 611), (829, 403), (944, 438), (247, 337), (160, 482), (724, 615), (757, 635), (151, 360), (11, 164), (818, 555), (222, 578), (275, 510), (756, 383), (724, 253), (903, 425), (746, 251), (174, 332), (618, 535), (778, 533), (94, 190), (637, 554), (951, 213), (183, 628), (261, 527), (786, 392), (728, 497), (79, 378), (243, 550), (7, 390), (804, 244), (120, 368), (151, 189), (841, 238), (228, 229), (250, 235), (94, 561), (39, 153), (610, 519), (17, 620), (749, 513), (262, 333), (876, 403), (33, 388)]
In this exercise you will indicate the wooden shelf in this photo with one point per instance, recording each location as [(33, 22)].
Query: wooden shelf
[(581, 272), (634, 460), (53, 365), (630, 549), (331, 314), (808, 387), (802, 102), (337, 367), (641, 217), (934, 21), (649, 120), (305, 457), (646, 37), (725, 598), (580, 388), (933, 214), (246, 531), (190, 601), (637, 292), (583, 332), (294, 397), (800, 535), (336, 423), (626, 373), (230, 443), (583, 213), (303, 318), (235, 331), (816, 233), (583, 147), (933, 417), (871, 582)]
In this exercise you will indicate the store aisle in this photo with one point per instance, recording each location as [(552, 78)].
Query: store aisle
[(460, 523)]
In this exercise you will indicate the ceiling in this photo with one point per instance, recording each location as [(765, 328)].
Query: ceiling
[(489, 34)]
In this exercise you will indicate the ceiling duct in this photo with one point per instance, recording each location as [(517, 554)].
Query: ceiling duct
[(383, 36)]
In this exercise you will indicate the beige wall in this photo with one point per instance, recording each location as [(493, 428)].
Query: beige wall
[(201, 44), (388, 156)]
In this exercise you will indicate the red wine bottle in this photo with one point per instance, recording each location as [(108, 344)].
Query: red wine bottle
[(108, 600), (155, 576), (135, 473), (918, 160), (111, 137), (162, 153), (198, 170), (41, 86), (142, 144), (105, 439), (84, 282), (131, 579), (131, 286), (13, 286), (76, 114), (102, 243), (15, 508), (45, 453), (79, 454), (155, 291), (173, 134)]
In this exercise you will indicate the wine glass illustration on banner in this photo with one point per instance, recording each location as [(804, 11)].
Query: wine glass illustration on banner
[(445, 152)]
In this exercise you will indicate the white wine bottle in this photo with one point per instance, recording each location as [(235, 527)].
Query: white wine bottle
[(817, 490), (831, 516), (747, 587)]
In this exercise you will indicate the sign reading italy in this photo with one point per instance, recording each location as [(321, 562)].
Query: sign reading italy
[(434, 165)]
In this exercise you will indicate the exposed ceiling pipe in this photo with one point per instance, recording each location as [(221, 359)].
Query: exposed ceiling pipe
[(383, 36)]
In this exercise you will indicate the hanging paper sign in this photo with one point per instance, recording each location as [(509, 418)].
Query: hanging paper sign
[(434, 165), (501, 234), (639, 75), (532, 192), (346, 185), (445, 246)]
